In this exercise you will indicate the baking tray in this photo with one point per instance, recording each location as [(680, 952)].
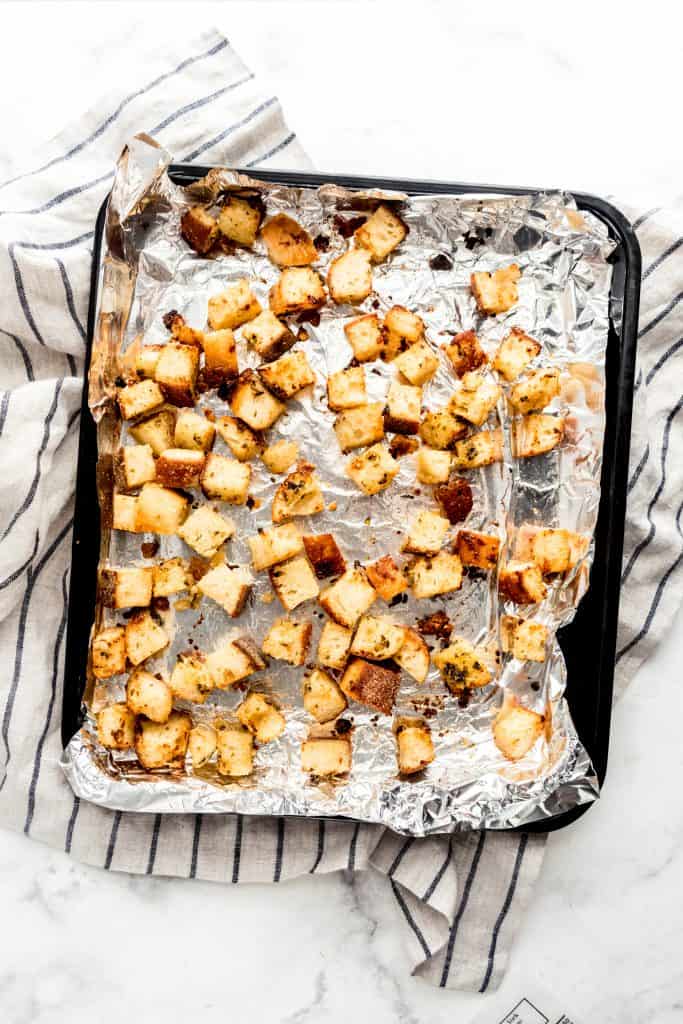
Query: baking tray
[(589, 641)]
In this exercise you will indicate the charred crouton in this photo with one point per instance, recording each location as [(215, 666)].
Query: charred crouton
[(231, 662), (322, 697), (160, 510), (109, 652), (349, 598), (524, 639), (334, 644), (252, 402), (516, 350), (402, 444), (401, 330), (126, 588), (521, 583), (455, 499), (294, 583), (288, 640), (474, 399), (148, 695), (233, 307), (427, 533), (116, 727), (235, 748), (360, 426), (535, 391), (429, 577), (287, 375), (299, 494), (281, 456), (179, 467), (437, 624), (413, 655), (414, 747), (440, 429), (190, 678), (144, 637), (199, 229), (268, 336), (324, 555), (377, 638), (557, 551), (157, 431), (227, 587), (161, 745), (258, 715), (462, 665), (137, 399), (125, 513), (226, 479), (193, 432), (417, 364), (326, 757), (176, 373), (243, 442), (374, 470), (346, 389), (381, 233), (536, 434), (201, 744), (404, 403), (134, 466), (298, 289), (375, 686), (205, 531), (181, 331), (220, 357), (433, 466), (482, 449), (349, 278), (239, 220), (364, 335), (465, 353), (146, 361), (287, 242), (387, 578), (497, 292), (478, 549), (275, 545), (170, 577), (516, 729)]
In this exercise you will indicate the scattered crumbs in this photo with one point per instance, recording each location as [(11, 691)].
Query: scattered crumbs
[(120, 382), (367, 520), (302, 335), (223, 390), (149, 548), (332, 507), (343, 726), (160, 604), (268, 597), (375, 303), (464, 698), (347, 225), (536, 687), (182, 604), (253, 503), (441, 262), (321, 242)]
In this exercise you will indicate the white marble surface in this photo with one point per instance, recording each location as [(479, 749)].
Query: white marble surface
[(605, 932)]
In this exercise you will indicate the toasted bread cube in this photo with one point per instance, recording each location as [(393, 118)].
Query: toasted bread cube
[(137, 399), (349, 278), (229, 588), (417, 364), (225, 479), (536, 434), (287, 375), (157, 431), (413, 655), (477, 549), (427, 533), (144, 637), (346, 389), (521, 583), (497, 292), (252, 402), (126, 588), (364, 335), (387, 578), (109, 652), (433, 466), (360, 426), (287, 242), (148, 695), (474, 399), (324, 555), (322, 697), (294, 583), (404, 403), (455, 498), (179, 467), (535, 391), (516, 350), (235, 747), (402, 444), (401, 330), (230, 663), (233, 307), (415, 747), (160, 510), (462, 665), (274, 545), (429, 577), (440, 429), (557, 550), (205, 531), (482, 449), (524, 639), (220, 357), (190, 678), (244, 443), (134, 466), (268, 335), (258, 715), (146, 361), (334, 644), (239, 219), (516, 729), (349, 598), (176, 373), (381, 233), (161, 745), (125, 512), (281, 456), (116, 727), (377, 638), (199, 229), (326, 757), (299, 494), (373, 685), (201, 744), (181, 331), (465, 353), (288, 640), (374, 470), (298, 289)]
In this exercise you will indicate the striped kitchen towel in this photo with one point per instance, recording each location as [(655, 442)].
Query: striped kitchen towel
[(460, 899)]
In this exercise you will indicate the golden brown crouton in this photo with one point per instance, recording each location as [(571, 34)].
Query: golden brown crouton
[(257, 714), (176, 373), (281, 456), (482, 449), (287, 375), (144, 637), (116, 727), (401, 329), (536, 434), (275, 545), (288, 640), (381, 233), (193, 431), (387, 578), (349, 278), (179, 467), (181, 330), (413, 655), (374, 470), (477, 549), (427, 533), (220, 357), (516, 729), (298, 290), (346, 389), (252, 402), (322, 698), (417, 364), (231, 662), (415, 747), (334, 644), (403, 444), (229, 588), (324, 555), (243, 442), (360, 426), (160, 510), (235, 748), (268, 335), (125, 512), (133, 466), (404, 403), (326, 757), (364, 335), (347, 599), (535, 391), (201, 744), (239, 219), (376, 686), (109, 652), (521, 583), (524, 639), (287, 242), (129, 587), (429, 577), (170, 577), (199, 229), (465, 353), (146, 361), (441, 429), (137, 399), (206, 531), (294, 583), (299, 494), (225, 479), (377, 637), (157, 431), (190, 678), (497, 292), (433, 466), (475, 398), (161, 745), (516, 350), (149, 695), (462, 665), (556, 551), (233, 307)]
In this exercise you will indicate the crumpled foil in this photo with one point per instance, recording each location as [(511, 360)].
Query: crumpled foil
[(146, 270)]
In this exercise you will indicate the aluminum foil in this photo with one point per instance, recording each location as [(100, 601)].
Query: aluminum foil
[(147, 270)]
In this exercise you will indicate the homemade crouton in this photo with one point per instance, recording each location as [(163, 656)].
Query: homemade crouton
[(427, 533), (298, 289), (474, 399), (179, 467), (181, 331), (126, 587), (170, 577), (162, 745), (360, 426), (401, 329), (535, 391), (413, 655), (364, 335), (227, 587), (462, 665), (374, 470), (334, 644), (536, 434), (404, 403), (116, 727), (287, 375), (346, 389), (252, 402), (125, 512), (387, 578), (157, 431), (433, 466), (349, 598), (521, 583), (417, 364), (381, 233), (497, 292), (322, 698), (414, 747), (429, 577), (287, 242), (288, 640), (226, 479), (294, 583), (146, 361), (193, 432), (376, 686), (377, 638), (482, 449), (243, 442), (220, 357), (465, 353), (190, 678), (281, 456), (556, 551), (268, 336), (233, 307), (148, 695), (349, 277), (524, 639), (239, 219), (231, 662), (516, 729), (137, 399), (144, 637), (109, 652), (299, 494), (402, 444), (516, 350), (176, 373), (201, 744), (160, 510), (455, 498), (274, 545), (324, 555), (133, 466), (258, 715), (235, 748), (477, 549), (326, 757), (199, 229), (440, 429), (206, 531)]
